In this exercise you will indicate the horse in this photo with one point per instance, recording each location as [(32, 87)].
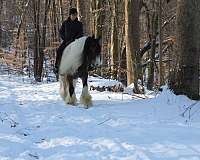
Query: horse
[(78, 57)]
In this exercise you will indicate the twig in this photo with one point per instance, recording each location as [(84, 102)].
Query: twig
[(104, 121), (34, 156), (139, 96), (189, 108), (192, 114)]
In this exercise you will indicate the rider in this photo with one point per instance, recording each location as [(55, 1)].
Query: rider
[(70, 30)]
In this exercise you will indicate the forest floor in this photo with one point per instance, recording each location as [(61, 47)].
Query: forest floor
[(36, 124)]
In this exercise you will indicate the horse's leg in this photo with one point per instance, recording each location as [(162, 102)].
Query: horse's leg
[(71, 97), (63, 86), (86, 98)]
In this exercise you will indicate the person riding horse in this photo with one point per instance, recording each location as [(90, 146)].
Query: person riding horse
[(70, 30), (75, 63)]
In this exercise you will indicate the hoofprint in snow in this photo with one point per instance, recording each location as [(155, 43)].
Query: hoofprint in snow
[(36, 124)]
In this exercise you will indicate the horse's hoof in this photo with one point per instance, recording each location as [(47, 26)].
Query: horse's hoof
[(73, 104), (86, 100), (71, 100), (86, 106)]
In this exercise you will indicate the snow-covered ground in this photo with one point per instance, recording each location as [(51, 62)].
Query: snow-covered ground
[(36, 124)]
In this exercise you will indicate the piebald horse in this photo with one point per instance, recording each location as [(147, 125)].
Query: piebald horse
[(77, 58)]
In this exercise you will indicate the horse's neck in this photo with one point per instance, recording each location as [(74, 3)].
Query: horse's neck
[(86, 51)]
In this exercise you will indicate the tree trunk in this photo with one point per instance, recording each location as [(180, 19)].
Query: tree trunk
[(40, 39), (161, 74), (96, 21), (36, 10), (92, 16), (42, 45), (188, 47), (132, 10), (79, 7), (114, 41), (98, 26), (70, 4), (1, 7), (55, 19), (61, 10), (97, 17), (82, 7), (154, 25)]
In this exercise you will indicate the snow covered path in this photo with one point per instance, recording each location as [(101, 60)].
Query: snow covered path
[(36, 124)]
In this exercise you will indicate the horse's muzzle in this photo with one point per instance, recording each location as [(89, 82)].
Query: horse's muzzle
[(98, 61)]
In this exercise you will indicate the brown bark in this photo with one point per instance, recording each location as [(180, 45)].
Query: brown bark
[(151, 67), (161, 74), (61, 10), (40, 38), (83, 14), (97, 17), (98, 20), (1, 7), (132, 11), (36, 9), (188, 48), (114, 42), (150, 82)]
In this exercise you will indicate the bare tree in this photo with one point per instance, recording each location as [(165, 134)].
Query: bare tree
[(96, 9), (84, 15), (132, 10), (1, 8), (186, 79), (161, 78), (36, 11), (114, 41), (40, 37), (61, 10), (152, 65)]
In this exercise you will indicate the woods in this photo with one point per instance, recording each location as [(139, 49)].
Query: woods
[(149, 43)]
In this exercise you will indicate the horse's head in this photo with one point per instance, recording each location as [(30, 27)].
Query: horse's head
[(94, 52)]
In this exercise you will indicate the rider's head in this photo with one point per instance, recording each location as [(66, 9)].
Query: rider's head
[(73, 13)]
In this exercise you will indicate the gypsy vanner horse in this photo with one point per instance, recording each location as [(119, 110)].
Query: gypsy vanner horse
[(76, 60)]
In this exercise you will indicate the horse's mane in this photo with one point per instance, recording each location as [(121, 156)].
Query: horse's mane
[(86, 49)]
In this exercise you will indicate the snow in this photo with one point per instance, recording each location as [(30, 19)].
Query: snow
[(36, 124)]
